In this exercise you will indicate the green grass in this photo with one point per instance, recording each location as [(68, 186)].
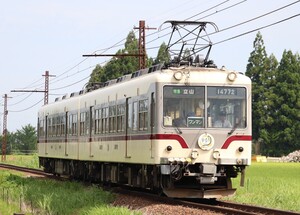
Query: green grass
[(31, 161), (273, 185), (53, 197)]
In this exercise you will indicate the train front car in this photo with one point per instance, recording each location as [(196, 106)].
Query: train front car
[(205, 137), (183, 128)]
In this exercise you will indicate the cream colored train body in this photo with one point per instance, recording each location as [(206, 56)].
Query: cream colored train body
[(185, 131)]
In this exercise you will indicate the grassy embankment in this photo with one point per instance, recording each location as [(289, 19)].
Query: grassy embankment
[(35, 196), (274, 185)]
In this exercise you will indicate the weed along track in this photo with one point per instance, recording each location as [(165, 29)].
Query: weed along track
[(138, 200), (149, 203)]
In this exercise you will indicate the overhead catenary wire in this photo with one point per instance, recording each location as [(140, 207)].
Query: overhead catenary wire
[(118, 44), (241, 23), (27, 107), (71, 84), (257, 29)]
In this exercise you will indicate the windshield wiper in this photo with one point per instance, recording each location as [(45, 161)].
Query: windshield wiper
[(178, 130), (233, 129)]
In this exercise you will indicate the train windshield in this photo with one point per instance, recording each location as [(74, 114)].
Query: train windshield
[(226, 107), (188, 106), (184, 106)]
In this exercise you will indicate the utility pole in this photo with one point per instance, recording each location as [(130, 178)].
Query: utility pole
[(46, 95), (142, 47), (142, 43), (4, 139), (46, 91)]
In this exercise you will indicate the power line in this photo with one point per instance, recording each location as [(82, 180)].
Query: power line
[(257, 29), (55, 80), (71, 84), (21, 100), (27, 107), (239, 24), (258, 17)]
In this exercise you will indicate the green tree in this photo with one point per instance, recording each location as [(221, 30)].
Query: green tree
[(257, 68), (162, 56), (118, 66), (26, 139), (9, 142), (96, 76), (287, 104)]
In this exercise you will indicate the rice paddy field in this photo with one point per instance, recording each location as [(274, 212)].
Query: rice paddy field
[(274, 185)]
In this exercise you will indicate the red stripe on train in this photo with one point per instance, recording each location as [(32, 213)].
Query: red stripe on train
[(171, 137), (236, 138)]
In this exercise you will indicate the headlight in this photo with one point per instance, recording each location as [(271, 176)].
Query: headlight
[(232, 76), (206, 141), (178, 75)]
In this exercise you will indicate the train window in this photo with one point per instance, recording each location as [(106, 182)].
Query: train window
[(112, 119), (120, 117), (105, 120), (82, 123), (62, 125), (226, 107), (143, 114), (129, 116), (97, 121), (134, 116), (41, 128), (50, 132), (183, 106), (72, 124)]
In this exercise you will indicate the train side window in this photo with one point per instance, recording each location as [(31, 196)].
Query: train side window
[(74, 126), (97, 121), (120, 117), (49, 126), (62, 125), (82, 123), (69, 124), (41, 128), (105, 120), (87, 123), (135, 116), (143, 114), (112, 119), (129, 116)]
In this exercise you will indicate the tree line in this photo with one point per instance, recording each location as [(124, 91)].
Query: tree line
[(275, 96), (22, 141), (275, 100)]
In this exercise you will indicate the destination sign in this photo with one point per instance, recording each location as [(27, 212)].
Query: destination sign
[(195, 122)]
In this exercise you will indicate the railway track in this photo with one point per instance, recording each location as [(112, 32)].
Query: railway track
[(211, 205), (236, 208), (25, 169)]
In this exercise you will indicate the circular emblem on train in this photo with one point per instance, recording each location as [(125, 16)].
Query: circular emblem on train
[(206, 141)]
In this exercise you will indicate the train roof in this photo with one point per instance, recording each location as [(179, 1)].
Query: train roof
[(157, 73)]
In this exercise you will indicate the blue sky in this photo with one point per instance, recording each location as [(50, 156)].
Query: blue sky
[(36, 36)]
